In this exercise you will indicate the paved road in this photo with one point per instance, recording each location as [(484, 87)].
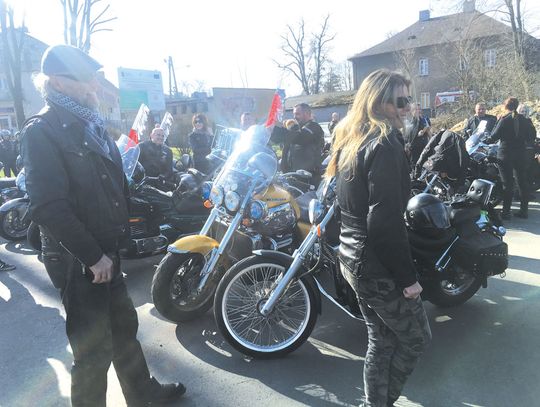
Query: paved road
[(484, 353)]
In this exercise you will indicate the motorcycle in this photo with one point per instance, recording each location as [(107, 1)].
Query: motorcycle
[(250, 211), (267, 305), (14, 220)]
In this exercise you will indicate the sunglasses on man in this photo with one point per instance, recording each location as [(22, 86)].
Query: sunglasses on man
[(403, 101)]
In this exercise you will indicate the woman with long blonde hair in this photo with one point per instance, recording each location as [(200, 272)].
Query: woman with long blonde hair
[(373, 187)]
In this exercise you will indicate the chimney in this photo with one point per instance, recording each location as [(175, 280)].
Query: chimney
[(469, 6), (424, 15)]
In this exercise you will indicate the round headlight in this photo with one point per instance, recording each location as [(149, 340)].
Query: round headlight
[(216, 196), (257, 210), (206, 188), (232, 201), (20, 181), (316, 211)]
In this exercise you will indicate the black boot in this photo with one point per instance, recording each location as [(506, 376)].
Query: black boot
[(157, 394)]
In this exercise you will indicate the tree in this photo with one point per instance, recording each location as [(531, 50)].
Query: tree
[(79, 25), (12, 43), (307, 59)]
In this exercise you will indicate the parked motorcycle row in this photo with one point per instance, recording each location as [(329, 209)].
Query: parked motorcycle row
[(261, 247)]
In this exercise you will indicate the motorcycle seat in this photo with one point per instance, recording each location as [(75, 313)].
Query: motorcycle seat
[(461, 214), (303, 203)]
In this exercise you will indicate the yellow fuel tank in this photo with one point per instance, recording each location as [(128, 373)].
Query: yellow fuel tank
[(274, 196)]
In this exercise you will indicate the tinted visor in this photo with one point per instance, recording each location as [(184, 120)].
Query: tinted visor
[(436, 216)]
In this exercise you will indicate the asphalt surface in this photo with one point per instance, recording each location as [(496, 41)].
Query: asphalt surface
[(484, 353)]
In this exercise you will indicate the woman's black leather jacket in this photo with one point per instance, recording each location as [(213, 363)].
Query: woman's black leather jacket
[(372, 200)]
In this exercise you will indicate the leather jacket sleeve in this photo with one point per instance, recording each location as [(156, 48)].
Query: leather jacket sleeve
[(48, 188), (310, 133), (386, 230)]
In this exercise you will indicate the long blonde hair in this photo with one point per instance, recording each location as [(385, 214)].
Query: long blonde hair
[(365, 118)]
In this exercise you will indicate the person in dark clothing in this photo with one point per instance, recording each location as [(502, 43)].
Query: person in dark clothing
[(302, 147), (514, 132), (200, 141), (417, 136), (333, 123), (480, 114), (156, 157), (373, 188), (8, 153), (78, 196)]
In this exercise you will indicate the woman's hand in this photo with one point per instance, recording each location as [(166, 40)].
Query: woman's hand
[(412, 291)]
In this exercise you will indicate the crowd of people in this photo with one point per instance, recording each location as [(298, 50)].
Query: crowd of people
[(80, 204)]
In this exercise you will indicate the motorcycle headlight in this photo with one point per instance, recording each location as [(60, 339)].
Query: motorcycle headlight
[(216, 196), (316, 211), (257, 210), (206, 189), (20, 181), (232, 201)]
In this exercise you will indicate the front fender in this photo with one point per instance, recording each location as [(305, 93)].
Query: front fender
[(193, 244), (13, 203)]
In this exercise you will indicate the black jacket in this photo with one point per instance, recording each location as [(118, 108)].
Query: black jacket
[(374, 241), (201, 145), (514, 133), (474, 121), (76, 190), (302, 148), (156, 160), (449, 155)]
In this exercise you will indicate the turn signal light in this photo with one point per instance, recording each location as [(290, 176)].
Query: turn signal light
[(207, 204)]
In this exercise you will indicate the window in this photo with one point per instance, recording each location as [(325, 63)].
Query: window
[(425, 100), (423, 67), (490, 57)]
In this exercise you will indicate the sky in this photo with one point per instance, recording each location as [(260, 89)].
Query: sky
[(224, 43)]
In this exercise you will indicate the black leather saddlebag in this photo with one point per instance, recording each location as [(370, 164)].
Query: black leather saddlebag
[(481, 252)]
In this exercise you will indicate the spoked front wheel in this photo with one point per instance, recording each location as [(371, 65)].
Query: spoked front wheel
[(242, 293)]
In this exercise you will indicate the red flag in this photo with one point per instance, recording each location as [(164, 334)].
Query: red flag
[(139, 125), (133, 138), (276, 108)]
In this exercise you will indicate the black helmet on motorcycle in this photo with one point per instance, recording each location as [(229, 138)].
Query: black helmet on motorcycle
[(427, 213), (138, 173)]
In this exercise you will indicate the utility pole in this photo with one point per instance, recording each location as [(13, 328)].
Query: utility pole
[(173, 86)]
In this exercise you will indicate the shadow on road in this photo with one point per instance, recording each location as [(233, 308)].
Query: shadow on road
[(20, 247), (301, 375), (35, 380)]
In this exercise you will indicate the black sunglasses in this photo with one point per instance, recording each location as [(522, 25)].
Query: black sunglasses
[(403, 101), (198, 122)]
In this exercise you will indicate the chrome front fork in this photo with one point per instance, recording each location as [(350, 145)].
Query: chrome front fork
[(299, 256)]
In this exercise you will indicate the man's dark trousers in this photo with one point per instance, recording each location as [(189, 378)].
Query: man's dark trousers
[(102, 327)]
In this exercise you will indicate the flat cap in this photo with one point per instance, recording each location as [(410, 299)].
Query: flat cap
[(66, 60)]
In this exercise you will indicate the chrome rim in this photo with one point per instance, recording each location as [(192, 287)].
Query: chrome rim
[(13, 224), (244, 298), (459, 284), (183, 288)]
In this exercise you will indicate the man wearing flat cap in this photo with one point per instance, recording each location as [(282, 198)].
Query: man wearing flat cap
[(78, 196)]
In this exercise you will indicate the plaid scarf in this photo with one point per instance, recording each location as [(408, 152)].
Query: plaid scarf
[(95, 126)]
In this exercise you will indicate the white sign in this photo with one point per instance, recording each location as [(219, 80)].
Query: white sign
[(140, 86)]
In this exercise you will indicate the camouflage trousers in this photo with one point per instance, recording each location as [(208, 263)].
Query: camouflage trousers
[(398, 333)]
